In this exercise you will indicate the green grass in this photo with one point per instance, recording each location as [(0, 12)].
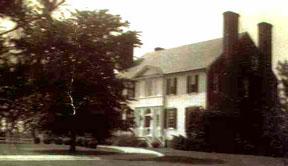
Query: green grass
[(108, 156), (51, 149)]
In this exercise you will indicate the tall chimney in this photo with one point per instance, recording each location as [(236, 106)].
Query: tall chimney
[(265, 45), (229, 79), (230, 37)]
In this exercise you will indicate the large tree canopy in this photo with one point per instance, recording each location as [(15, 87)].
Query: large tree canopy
[(60, 73)]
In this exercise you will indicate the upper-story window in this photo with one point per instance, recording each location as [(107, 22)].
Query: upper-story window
[(171, 86), (129, 90), (254, 63), (192, 84)]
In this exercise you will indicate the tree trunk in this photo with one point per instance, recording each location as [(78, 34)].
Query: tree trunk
[(73, 142)]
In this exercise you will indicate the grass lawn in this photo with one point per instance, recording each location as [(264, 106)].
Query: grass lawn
[(8, 150), (51, 149), (102, 156)]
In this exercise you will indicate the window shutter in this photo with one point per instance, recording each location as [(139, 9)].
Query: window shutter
[(175, 86), (175, 118), (188, 84), (165, 121), (196, 83), (168, 85)]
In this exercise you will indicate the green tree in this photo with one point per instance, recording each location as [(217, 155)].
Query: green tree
[(69, 72), (279, 117), (275, 118)]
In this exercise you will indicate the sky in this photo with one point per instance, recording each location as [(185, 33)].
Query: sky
[(173, 23)]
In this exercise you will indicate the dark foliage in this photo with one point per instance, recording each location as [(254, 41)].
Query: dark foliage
[(36, 140), (61, 72)]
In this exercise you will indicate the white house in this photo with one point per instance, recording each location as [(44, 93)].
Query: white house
[(224, 74), (166, 83)]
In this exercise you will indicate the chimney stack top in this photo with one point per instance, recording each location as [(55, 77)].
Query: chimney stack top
[(268, 25), (231, 13)]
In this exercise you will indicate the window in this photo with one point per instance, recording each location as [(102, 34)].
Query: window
[(171, 86), (246, 88), (216, 80), (192, 84), (254, 63), (171, 120), (129, 90)]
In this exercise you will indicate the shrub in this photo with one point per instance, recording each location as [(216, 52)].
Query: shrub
[(178, 142), (85, 143), (125, 140), (58, 141), (47, 140), (66, 141), (79, 142), (142, 144), (92, 144), (156, 144), (36, 140)]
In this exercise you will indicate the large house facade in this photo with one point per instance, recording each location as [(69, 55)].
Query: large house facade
[(223, 73)]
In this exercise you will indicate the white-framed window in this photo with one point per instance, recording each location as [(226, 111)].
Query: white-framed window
[(171, 118), (171, 86), (192, 84), (129, 90)]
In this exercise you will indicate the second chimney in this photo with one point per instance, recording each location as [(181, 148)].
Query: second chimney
[(230, 37), (265, 45)]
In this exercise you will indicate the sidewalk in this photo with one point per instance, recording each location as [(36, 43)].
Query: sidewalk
[(229, 159)]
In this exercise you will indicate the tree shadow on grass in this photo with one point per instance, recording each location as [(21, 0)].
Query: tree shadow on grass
[(180, 159), (77, 153)]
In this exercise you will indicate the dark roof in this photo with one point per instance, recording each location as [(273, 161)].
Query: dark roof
[(185, 58)]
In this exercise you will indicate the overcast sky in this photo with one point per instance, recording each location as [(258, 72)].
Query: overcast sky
[(173, 23)]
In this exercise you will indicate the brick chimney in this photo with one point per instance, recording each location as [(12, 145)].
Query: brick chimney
[(230, 37), (229, 77), (265, 45)]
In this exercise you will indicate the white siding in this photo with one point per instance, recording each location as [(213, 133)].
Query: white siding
[(183, 100), (180, 101)]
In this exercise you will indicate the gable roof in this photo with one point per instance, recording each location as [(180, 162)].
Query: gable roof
[(184, 58)]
